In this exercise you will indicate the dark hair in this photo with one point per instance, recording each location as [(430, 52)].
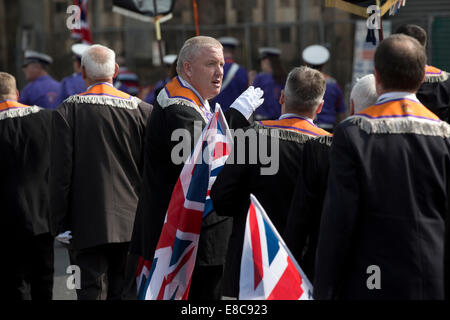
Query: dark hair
[(414, 31), (304, 89), (400, 63), (278, 72)]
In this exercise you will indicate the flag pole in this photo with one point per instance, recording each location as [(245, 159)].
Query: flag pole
[(158, 32), (195, 10), (380, 31)]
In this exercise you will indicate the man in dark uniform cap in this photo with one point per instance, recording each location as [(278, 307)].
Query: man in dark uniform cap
[(235, 78), (26, 242), (42, 89), (333, 110), (271, 80), (169, 66), (74, 83)]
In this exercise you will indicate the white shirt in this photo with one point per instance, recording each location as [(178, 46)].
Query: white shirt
[(203, 101), (396, 95)]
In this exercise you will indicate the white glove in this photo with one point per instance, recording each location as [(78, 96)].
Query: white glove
[(64, 237), (248, 101)]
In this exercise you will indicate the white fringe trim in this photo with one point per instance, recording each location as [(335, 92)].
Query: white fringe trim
[(283, 134), (19, 112), (164, 101), (131, 104), (402, 126), (432, 78)]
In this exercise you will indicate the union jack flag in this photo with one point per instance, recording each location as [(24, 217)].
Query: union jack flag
[(268, 269), (84, 33), (168, 276)]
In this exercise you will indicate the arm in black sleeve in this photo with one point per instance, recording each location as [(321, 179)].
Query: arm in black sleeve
[(61, 155), (302, 227), (339, 216)]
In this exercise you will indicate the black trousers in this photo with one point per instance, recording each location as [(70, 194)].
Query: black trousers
[(29, 268), (102, 271), (206, 283)]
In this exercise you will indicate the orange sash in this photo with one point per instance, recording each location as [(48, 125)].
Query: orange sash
[(9, 104), (295, 124), (175, 89), (103, 89), (430, 70), (398, 108)]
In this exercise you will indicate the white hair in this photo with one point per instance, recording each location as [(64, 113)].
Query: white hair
[(364, 93), (99, 62), (192, 47)]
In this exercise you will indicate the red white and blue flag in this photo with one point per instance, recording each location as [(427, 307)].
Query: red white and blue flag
[(268, 269), (84, 33), (168, 276)]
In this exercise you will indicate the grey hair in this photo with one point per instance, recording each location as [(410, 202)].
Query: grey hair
[(192, 47), (364, 93), (99, 62), (304, 89)]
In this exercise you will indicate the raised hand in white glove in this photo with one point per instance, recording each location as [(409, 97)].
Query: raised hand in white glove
[(248, 101)]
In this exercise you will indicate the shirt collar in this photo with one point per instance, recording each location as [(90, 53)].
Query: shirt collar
[(97, 83), (203, 101), (289, 115), (395, 95)]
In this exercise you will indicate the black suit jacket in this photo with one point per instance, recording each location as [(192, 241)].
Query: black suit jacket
[(161, 174), (24, 163), (96, 167), (232, 188)]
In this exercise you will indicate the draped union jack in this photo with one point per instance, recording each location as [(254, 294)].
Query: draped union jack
[(168, 275)]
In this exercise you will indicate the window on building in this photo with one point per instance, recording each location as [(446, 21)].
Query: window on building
[(285, 34)]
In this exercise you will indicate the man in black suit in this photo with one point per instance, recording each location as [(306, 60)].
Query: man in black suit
[(267, 163), (95, 174), (26, 242)]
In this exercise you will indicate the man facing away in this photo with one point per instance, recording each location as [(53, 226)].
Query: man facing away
[(74, 83), (382, 229), (434, 92), (95, 174), (272, 182), (183, 104), (303, 223), (26, 242)]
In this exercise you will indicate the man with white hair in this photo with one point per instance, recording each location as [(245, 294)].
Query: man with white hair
[(95, 174), (183, 105), (364, 94)]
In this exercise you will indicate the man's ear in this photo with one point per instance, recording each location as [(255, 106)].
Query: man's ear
[(17, 94), (282, 97), (187, 69), (378, 84), (319, 108), (116, 70)]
